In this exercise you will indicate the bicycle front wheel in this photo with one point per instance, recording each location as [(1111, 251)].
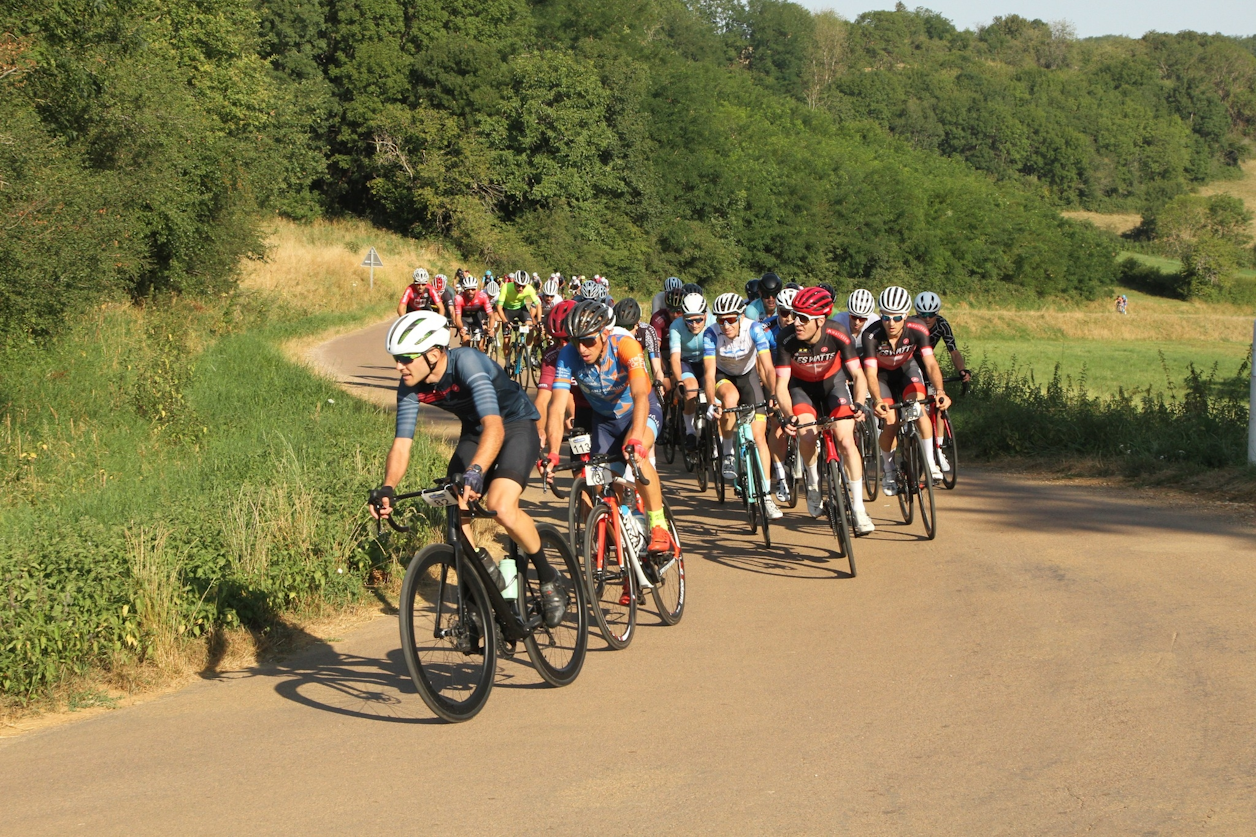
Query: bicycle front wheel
[(702, 465), (577, 512), (668, 432), (838, 512), (924, 490), (946, 444), (558, 652), (907, 476), (669, 576), (612, 586), (791, 464), (870, 449), (717, 463), (446, 634)]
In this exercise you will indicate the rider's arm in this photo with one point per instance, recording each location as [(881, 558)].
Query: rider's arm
[(708, 361), (404, 303), (782, 390), (438, 302), (763, 357), (397, 462), (491, 438), (633, 359), (560, 398)]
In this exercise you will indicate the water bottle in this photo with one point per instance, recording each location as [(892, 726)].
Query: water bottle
[(634, 530), (510, 577), (639, 523)]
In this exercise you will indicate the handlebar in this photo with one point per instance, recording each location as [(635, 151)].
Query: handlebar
[(440, 487)]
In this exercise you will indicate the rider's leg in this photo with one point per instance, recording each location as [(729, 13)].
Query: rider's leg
[(726, 393), (759, 428)]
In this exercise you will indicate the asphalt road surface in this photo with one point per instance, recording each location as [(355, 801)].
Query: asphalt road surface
[(1061, 660)]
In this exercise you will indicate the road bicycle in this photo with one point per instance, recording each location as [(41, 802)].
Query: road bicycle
[(837, 489), (944, 435), (618, 568), (792, 463), (914, 481), (455, 621), (672, 433), (748, 484), (523, 363), (867, 437)]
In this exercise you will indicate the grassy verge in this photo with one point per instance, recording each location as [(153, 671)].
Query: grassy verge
[(172, 480)]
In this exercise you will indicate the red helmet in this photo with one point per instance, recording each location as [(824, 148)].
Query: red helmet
[(813, 302), (557, 320)]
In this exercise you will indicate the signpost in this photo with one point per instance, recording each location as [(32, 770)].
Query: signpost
[(372, 261)]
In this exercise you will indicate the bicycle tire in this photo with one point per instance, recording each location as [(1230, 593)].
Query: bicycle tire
[(668, 432), (717, 465), (702, 454), (557, 653), (906, 476), (609, 579), (791, 459), (947, 446), (871, 452), (452, 673), (928, 511), (576, 515), (847, 536), (669, 588), (761, 496)]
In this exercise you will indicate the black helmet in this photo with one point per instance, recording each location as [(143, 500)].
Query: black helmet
[(769, 284), (832, 290), (752, 290), (793, 285), (627, 313), (692, 288), (588, 318)]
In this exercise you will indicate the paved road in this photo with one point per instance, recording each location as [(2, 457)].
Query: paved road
[(1061, 660)]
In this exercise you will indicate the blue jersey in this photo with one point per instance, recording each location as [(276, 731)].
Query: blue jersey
[(471, 388), (755, 310), (684, 342), (735, 355), (608, 384)]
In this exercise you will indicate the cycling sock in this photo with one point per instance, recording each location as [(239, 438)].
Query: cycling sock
[(933, 460), (728, 444), (688, 422), (813, 475), (857, 500), (887, 459), (545, 572), (656, 517), (778, 470)]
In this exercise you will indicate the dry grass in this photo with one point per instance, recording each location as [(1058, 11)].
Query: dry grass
[(1243, 188), (1115, 222)]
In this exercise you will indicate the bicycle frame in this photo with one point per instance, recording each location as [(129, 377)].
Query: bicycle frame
[(609, 494)]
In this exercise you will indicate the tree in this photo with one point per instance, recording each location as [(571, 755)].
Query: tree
[(825, 57)]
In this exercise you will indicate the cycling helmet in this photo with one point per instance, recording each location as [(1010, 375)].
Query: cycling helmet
[(726, 304), (469, 283), (752, 289), (671, 283), (420, 276), (440, 281), (693, 304), (602, 280), (492, 289), (550, 288), (832, 290), (673, 299), (813, 302), (860, 303), (691, 288), (627, 313), (587, 318), (417, 332), (793, 286), (591, 290), (522, 279), (785, 299), (488, 274), (557, 320), (928, 303), (769, 285), (894, 300)]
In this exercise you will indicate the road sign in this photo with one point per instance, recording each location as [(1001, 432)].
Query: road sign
[(372, 261)]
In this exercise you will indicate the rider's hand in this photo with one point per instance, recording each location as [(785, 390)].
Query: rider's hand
[(965, 375), (879, 407), (380, 501), (713, 412), (943, 400), (473, 483), (634, 448), (549, 462), (791, 426)]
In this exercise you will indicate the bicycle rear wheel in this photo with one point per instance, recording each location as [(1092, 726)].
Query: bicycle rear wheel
[(924, 490), (870, 449), (838, 512), (444, 615), (669, 576), (946, 444), (611, 583), (558, 652)]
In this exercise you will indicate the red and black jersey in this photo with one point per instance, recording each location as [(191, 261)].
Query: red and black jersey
[(419, 298), (661, 320), (815, 362), (914, 342)]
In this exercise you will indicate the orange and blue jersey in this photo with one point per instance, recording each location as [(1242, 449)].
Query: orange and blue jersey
[(607, 384)]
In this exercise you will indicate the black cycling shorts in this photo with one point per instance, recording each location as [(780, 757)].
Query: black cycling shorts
[(516, 315), (475, 318), (898, 384), (829, 397), (749, 387), (519, 454)]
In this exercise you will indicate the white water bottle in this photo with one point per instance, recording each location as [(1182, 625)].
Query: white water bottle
[(509, 575)]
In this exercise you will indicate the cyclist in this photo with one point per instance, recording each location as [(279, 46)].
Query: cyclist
[(928, 306), (661, 320), (686, 353), (610, 369), (472, 311), (783, 321), (659, 301), (556, 324), (739, 368), (765, 306), (446, 294), (859, 308), (519, 303), (496, 448), (894, 349), (419, 295), (814, 365), (628, 317)]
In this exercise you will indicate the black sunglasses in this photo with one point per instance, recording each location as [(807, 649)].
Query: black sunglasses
[(695, 321), (589, 342), (897, 318), (405, 359)]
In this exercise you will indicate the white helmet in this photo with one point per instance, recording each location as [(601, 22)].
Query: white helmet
[(785, 299), (693, 304), (536, 278), (550, 288), (671, 283), (726, 304), (522, 279), (860, 303), (591, 290), (420, 276), (492, 289), (602, 280), (417, 332), (928, 303), (469, 283), (894, 300)]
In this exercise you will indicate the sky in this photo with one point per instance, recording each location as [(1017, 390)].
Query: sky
[(1114, 17)]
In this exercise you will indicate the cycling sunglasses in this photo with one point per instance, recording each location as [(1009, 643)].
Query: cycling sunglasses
[(589, 342), (727, 321), (897, 318), (404, 359), (803, 319), (693, 321)]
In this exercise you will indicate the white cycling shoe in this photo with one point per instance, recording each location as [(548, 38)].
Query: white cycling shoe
[(773, 512), (889, 483), (943, 463), (863, 523), (729, 467), (815, 504), (935, 473), (782, 491)]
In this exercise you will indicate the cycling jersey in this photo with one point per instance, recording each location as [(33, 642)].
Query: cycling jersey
[(512, 298), (471, 388), (549, 363), (547, 306), (879, 354), (735, 355), (419, 298), (658, 303), (479, 302), (756, 311), (447, 299), (941, 330), (772, 327), (607, 383), (684, 342), (662, 321), (649, 339), (829, 356)]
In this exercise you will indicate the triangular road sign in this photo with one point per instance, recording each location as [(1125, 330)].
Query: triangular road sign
[(372, 259)]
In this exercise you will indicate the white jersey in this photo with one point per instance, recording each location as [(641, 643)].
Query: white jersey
[(844, 319), (658, 302)]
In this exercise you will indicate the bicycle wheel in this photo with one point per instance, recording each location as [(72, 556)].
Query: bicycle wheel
[(558, 652), (577, 513), (870, 449), (924, 490), (906, 478), (791, 462), (946, 444), (838, 512), (717, 465), (443, 615), (702, 465), (668, 432), (669, 576), (760, 504), (849, 513), (611, 584)]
